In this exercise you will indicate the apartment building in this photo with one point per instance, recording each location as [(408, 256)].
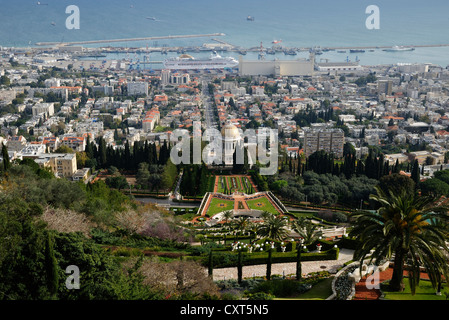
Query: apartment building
[(329, 140), (77, 144), (63, 165), (151, 119), (137, 88), (46, 108)]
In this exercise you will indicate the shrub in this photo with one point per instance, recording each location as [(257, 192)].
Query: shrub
[(260, 296), (330, 216), (282, 288), (348, 243)]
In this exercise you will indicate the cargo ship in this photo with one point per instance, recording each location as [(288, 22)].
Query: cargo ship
[(185, 62)]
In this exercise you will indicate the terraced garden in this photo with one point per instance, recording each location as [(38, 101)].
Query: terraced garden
[(218, 205), (263, 204), (231, 184)]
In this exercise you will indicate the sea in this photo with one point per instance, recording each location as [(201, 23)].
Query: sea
[(296, 23)]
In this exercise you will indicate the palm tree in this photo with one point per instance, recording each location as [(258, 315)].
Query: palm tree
[(307, 230), (265, 215), (408, 228), (242, 223), (309, 234), (228, 215), (273, 227)]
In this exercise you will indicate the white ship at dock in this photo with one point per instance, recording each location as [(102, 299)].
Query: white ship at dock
[(186, 62), (399, 48)]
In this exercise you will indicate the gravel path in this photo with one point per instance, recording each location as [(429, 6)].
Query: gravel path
[(285, 268)]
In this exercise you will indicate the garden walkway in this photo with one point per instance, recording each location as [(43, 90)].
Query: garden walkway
[(240, 199), (285, 268)]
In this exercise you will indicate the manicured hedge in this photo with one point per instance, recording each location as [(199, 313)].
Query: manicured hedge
[(227, 260), (348, 243)]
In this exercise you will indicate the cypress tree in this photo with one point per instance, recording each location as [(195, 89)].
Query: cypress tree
[(127, 156), (89, 148), (298, 262), (415, 173), (102, 159), (396, 167), (381, 166), (239, 267), (210, 268), (51, 266), (153, 153), (6, 162), (269, 262)]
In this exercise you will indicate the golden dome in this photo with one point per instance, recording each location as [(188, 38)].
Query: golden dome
[(230, 131)]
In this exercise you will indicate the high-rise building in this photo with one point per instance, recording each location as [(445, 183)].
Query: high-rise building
[(165, 76), (329, 140)]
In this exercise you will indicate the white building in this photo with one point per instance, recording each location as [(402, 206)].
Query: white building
[(47, 108), (52, 82), (33, 151), (276, 67), (339, 67), (137, 88), (165, 76)]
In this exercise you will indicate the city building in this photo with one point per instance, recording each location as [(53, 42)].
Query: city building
[(137, 88), (63, 165), (338, 67), (276, 67), (33, 150), (77, 144), (52, 143), (384, 86), (16, 143), (329, 140), (151, 119), (44, 108)]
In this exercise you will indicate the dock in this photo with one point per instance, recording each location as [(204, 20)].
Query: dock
[(128, 39)]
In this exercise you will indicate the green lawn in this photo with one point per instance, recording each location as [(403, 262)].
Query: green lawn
[(262, 204), (425, 291), (237, 182), (228, 180), (218, 205), (220, 188)]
